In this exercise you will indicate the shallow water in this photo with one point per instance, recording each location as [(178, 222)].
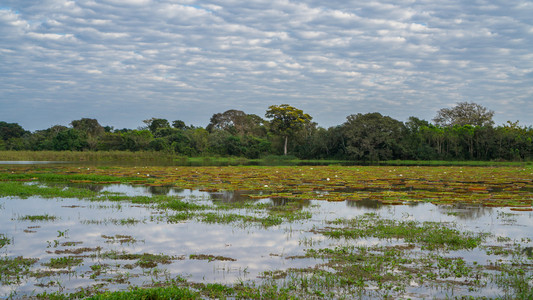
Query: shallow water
[(254, 248)]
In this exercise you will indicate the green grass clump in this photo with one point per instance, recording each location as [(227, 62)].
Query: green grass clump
[(85, 156), (172, 292), (145, 260), (178, 205), (48, 175), (12, 269), (4, 240), (19, 189), (36, 218), (430, 235), (63, 262), (226, 218)]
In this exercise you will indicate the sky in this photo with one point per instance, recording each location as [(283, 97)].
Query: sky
[(125, 61)]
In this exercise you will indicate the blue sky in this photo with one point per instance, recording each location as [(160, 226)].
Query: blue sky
[(124, 61)]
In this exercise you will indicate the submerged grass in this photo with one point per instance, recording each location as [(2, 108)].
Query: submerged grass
[(35, 218), (489, 186), (63, 262), (4, 240), (416, 255), (430, 235), (23, 190), (13, 269)]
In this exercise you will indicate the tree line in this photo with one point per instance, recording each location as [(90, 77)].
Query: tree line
[(464, 132)]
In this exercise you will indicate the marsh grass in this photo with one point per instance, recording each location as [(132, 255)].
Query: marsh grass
[(63, 262), (22, 190), (86, 156), (145, 260), (502, 186), (171, 292), (36, 218), (410, 254), (51, 175), (14, 269), (4, 240), (226, 218), (430, 235)]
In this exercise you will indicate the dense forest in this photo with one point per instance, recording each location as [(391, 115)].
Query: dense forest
[(464, 132)]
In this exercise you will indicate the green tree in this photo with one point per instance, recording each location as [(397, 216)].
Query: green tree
[(373, 137), (70, 139), (90, 126), (136, 140), (179, 124), (11, 130), (287, 121), (91, 129), (464, 113), (154, 124), (237, 122)]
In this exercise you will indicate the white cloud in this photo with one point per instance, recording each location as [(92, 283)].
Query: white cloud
[(370, 56)]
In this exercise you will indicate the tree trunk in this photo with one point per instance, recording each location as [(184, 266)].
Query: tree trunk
[(285, 148)]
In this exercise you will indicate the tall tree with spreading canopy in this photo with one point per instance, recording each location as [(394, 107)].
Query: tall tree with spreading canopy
[(373, 136), (464, 113), (91, 129), (287, 121), (154, 124)]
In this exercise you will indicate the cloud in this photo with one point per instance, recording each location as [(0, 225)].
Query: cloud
[(173, 59)]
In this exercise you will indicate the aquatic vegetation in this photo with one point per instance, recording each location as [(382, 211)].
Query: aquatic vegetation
[(4, 240), (210, 257), (153, 293), (13, 269), (35, 218), (430, 235), (145, 260), (489, 186), (322, 232), (22, 190), (63, 262)]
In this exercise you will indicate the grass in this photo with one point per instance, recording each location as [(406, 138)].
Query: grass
[(430, 235), (85, 156), (22, 190), (147, 157), (409, 253), (13, 269), (63, 262), (4, 240), (171, 292), (455, 163), (501, 186), (145, 260), (36, 218)]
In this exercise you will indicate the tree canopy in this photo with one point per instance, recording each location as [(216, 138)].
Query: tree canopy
[(286, 121), (464, 113), (464, 132)]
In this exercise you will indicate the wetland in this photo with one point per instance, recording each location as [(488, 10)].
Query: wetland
[(255, 232)]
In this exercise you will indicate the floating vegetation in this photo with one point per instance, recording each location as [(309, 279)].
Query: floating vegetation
[(145, 260), (119, 238), (12, 270), (489, 186), (63, 262), (4, 240), (210, 257), (430, 235), (36, 218), (320, 232)]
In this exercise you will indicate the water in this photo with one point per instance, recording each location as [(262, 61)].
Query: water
[(119, 227)]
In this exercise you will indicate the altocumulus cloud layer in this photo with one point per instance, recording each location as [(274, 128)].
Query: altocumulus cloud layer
[(122, 61)]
